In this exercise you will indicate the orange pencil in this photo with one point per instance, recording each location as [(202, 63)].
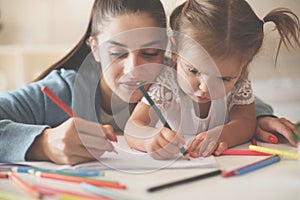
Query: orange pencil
[(25, 186), (58, 102), (74, 179)]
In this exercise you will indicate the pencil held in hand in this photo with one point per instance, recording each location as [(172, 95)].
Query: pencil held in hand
[(58, 102), (184, 152)]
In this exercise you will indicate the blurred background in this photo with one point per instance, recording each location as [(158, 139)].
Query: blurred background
[(36, 33)]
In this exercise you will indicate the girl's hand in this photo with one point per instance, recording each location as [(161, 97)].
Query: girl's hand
[(201, 145), (165, 144), (267, 126), (74, 141)]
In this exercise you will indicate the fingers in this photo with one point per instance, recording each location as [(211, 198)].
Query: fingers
[(267, 126), (266, 136), (222, 146), (110, 133), (165, 145)]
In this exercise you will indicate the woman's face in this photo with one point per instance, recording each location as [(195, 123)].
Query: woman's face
[(132, 51)]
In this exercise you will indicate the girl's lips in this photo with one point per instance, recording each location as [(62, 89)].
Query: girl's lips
[(201, 98)]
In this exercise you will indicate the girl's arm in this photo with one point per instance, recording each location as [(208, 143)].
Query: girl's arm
[(238, 130), (140, 127), (141, 134)]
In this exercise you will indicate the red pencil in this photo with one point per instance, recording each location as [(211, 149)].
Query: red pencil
[(25, 186), (74, 179), (4, 176), (243, 152), (58, 102)]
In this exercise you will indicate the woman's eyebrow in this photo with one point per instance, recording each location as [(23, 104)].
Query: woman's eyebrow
[(152, 43), (116, 43), (143, 46)]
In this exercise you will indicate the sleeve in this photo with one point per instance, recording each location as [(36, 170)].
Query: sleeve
[(241, 94), (164, 90), (262, 109), (26, 112)]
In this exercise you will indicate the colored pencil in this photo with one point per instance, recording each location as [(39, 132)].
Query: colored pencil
[(5, 195), (48, 191), (252, 167), (4, 176), (183, 181), (101, 191), (273, 151), (58, 102), (160, 116), (80, 173), (64, 107), (100, 183), (23, 185), (243, 152)]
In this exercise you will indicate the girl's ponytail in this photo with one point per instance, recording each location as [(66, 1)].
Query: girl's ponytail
[(287, 25)]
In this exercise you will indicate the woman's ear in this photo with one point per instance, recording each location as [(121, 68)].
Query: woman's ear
[(93, 45), (173, 48)]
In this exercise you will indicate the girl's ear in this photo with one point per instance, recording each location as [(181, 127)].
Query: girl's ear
[(93, 45), (173, 48)]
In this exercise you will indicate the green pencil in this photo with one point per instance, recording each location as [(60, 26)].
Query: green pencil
[(161, 117)]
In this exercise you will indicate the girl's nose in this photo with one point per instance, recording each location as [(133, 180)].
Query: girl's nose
[(202, 85), (132, 61)]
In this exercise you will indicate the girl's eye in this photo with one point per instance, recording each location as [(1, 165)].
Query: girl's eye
[(193, 70), (225, 79)]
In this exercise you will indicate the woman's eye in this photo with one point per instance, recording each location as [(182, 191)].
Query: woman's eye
[(118, 54), (151, 52)]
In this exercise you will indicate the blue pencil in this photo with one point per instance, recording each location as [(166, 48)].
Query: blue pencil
[(161, 117), (257, 165), (80, 173)]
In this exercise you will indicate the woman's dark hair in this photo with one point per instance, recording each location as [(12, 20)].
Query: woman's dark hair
[(102, 11)]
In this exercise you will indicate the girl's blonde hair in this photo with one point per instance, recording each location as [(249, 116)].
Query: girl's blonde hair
[(231, 28)]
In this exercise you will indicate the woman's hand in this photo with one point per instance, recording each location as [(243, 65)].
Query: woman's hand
[(74, 141), (267, 127), (165, 144)]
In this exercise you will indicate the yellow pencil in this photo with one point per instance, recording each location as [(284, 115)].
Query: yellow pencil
[(273, 151), (12, 196)]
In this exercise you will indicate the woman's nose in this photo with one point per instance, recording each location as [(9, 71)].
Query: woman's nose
[(132, 61)]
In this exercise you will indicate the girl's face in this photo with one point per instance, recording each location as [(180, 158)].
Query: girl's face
[(209, 79), (132, 52)]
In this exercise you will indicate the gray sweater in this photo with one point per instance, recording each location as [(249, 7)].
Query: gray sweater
[(26, 112)]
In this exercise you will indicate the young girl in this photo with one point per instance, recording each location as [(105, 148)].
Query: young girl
[(232, 35)]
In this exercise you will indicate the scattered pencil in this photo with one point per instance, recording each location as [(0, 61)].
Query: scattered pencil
[(100, 183), (251, 167), (274, 151), (24, 186)]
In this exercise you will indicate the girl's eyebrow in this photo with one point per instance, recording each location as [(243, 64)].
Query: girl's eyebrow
[(144, 45)]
